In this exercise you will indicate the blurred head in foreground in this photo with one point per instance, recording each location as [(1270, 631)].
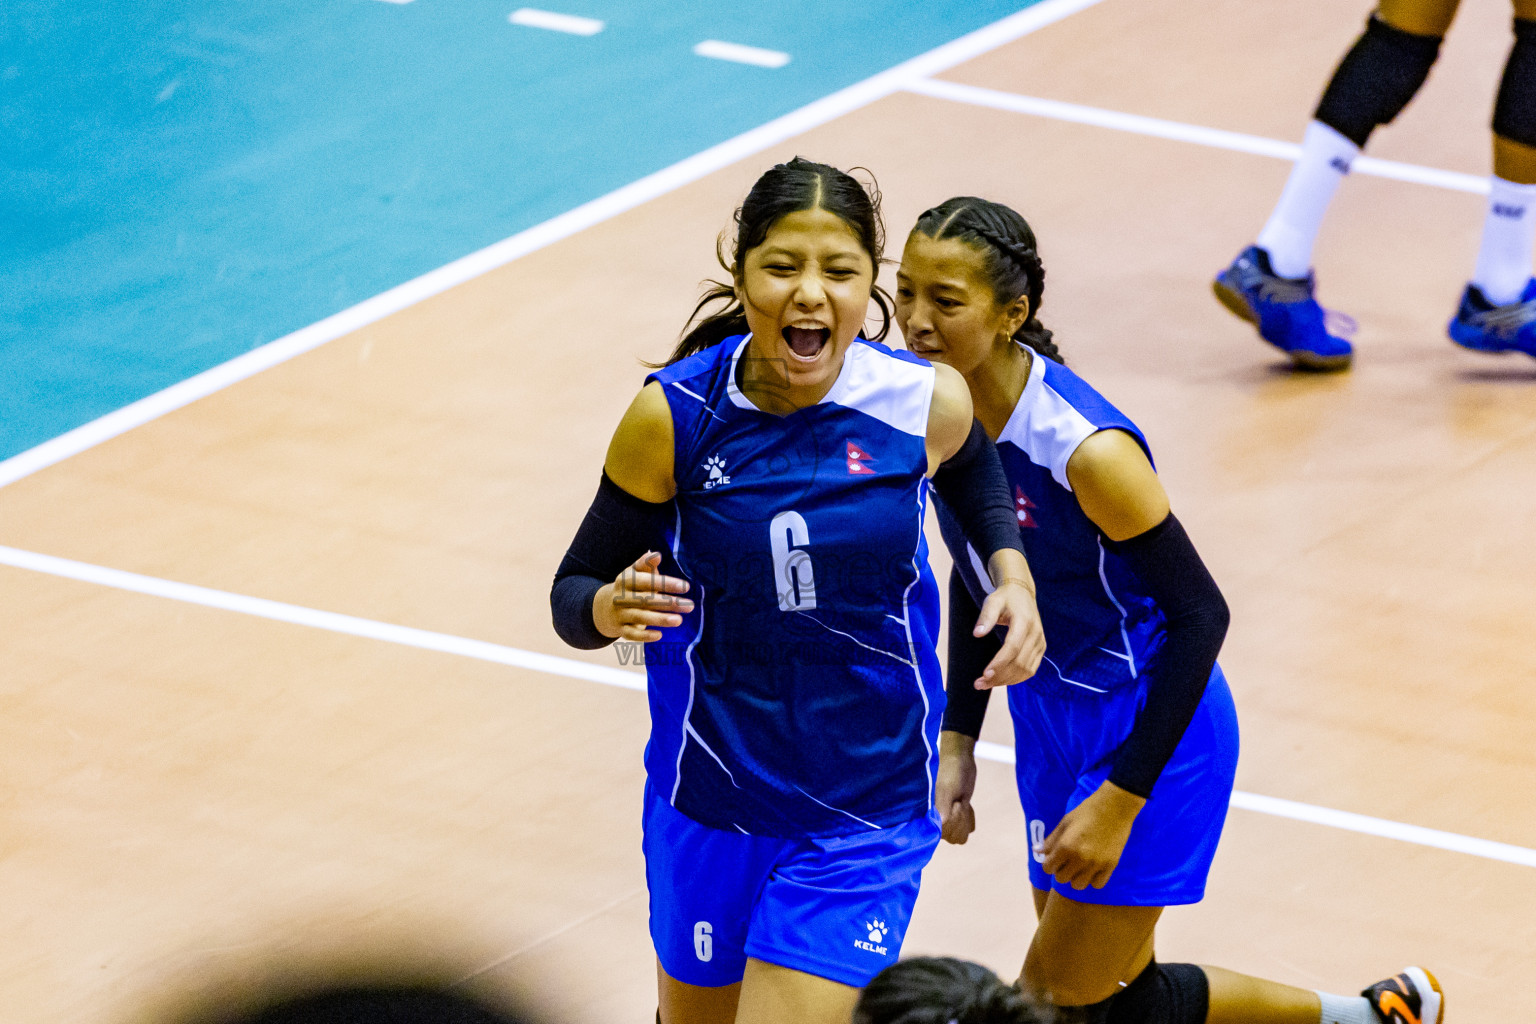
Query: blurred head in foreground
[(943, 990), (386, 983), (364, 1004)]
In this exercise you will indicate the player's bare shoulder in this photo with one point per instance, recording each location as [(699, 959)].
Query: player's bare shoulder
[(640, 455)]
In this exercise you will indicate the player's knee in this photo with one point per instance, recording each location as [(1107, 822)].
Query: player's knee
[(1421, 17), (1161, 994), (1065, 986), (1376, 79), (1514, 113)]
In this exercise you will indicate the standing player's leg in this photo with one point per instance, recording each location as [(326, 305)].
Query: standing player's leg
[(1100, 958), (832, 915), (777, 994), (1093, 948), (702, 884), (681, 1003), (1498, 308), (1271, 283), (1084, 953)]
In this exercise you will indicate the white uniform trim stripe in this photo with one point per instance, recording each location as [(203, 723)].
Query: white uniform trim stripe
[(1130, 655), (1046, 426), (906, 615), (839, 810), (682, 743), (867, 647), (691, 731), (1063, 677), (733, 392), (981, 570)]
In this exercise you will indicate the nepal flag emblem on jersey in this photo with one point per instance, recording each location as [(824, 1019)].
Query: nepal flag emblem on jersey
[(860, 462), (1021, 507)]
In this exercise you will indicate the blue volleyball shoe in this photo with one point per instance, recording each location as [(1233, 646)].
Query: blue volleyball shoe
[(1283, 310), (1482, 326)]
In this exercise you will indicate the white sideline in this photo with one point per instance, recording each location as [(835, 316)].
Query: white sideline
[(1178, 131), (298, 615), (666, 180), (1345, 820)]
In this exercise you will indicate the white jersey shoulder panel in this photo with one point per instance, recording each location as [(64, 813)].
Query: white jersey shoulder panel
[(1046, 426), (877, 383)]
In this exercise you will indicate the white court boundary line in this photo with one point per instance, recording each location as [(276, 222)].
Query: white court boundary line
[(652, 186), (1179, 131), (445, 643), (1345, 820)]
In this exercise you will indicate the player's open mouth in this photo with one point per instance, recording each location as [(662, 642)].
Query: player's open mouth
[(806, 342)]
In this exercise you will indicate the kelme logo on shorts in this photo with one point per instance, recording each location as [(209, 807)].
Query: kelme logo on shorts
[(877, 930)]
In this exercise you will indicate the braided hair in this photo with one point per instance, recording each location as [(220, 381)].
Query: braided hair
[(1013, 265), (786, 188), (944, 990)]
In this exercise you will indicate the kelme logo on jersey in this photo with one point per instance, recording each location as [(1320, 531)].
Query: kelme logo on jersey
[(715, 467), (1021, 507), (860, 462), (877, 931)]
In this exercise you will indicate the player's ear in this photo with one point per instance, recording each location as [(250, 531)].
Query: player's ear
[(1015, 315)]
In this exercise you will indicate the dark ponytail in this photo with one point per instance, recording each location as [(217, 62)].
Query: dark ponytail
[(944, 990), (1013, 264), (783, 189)]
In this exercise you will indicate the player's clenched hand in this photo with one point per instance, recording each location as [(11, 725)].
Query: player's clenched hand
[(1013, 605), (640, 601), (1085, 846), (956, 783)]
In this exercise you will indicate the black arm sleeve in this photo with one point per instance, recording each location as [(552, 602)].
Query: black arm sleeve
[(1167, 564), (974, 486), (966, 707), (618, 529)]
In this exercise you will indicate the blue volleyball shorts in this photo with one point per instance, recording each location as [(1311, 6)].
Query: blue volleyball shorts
[(836, 907), (1065, 749)]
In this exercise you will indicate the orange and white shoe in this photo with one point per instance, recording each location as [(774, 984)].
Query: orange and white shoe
[(1411, 997)]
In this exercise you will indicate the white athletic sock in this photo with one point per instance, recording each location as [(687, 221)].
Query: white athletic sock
[(1347, 1010), (1509, 232), (1292, 229)]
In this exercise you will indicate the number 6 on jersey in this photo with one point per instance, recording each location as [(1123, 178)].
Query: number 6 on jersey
[(792, 573)]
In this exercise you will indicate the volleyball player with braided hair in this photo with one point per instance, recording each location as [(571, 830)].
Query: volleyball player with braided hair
[(1126, 737), (1271, 283)]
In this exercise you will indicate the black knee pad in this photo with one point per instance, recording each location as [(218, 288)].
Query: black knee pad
[(1514, 113), (1376, 79), (1161, 994)]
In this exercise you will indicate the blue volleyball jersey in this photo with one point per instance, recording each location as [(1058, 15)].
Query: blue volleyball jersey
[(1101, 628), (802, 696)]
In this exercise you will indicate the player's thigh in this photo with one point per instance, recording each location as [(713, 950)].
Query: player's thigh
[(838, 907), (681, 1003), (1421, 17), (1041, 896), (771, 994), (1083, 952), (1525, 9), (704, 885)]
